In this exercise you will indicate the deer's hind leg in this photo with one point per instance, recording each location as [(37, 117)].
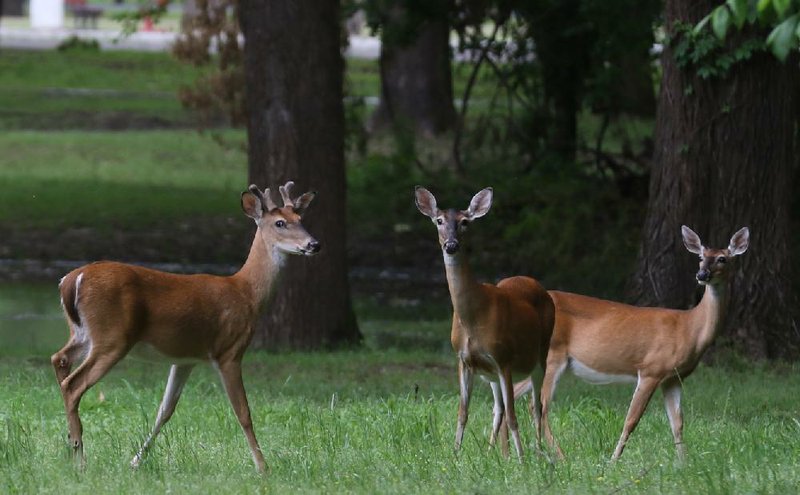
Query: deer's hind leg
[(73, 351), (99, 361), (498, 414)]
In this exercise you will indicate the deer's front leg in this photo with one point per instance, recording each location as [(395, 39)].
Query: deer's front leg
[(178, 375), (641, 397), (231, 374), (465, 381), (507, 387), (672, 402)]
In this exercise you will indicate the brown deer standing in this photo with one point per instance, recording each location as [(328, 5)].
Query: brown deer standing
[(605, 342), (187, 319), (497, 329)]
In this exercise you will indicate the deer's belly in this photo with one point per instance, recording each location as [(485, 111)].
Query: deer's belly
[(147, 352), (598, 377)]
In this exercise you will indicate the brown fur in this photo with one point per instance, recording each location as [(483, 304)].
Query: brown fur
[(186, 318), (656, 346), (497, 330)]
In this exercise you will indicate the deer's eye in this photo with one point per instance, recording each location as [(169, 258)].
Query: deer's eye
[(439, 221), (464, 222), (722, 259), (280, 224)]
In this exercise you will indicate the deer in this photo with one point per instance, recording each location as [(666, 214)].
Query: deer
[(497, 330), (606, 342), (112, 308)]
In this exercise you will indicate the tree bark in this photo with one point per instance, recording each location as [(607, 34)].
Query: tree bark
[(725, 154), (295, 126), (416, 76), (562, 48)]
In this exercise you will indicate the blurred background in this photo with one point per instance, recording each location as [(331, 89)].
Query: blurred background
[(128, 130)]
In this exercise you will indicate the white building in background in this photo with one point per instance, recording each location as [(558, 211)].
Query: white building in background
[(47, 14)]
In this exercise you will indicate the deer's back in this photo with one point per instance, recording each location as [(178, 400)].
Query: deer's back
[(182, 316), (617, 337)]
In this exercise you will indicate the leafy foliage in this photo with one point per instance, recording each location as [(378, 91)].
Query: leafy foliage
[(706, 53), (214, 27), (782, 17)]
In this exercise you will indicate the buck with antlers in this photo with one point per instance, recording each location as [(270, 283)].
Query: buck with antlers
[(112, 307), (497, 329), (604, 342)]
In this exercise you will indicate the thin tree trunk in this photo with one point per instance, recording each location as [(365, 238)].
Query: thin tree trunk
[(555, 32), (295, 124), (416, 78), (725, 150)]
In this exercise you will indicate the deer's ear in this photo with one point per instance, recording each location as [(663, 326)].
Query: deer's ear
[(426, 203), (739, 242), (480, 204), (301, 203), (251, 205), (691, 240)]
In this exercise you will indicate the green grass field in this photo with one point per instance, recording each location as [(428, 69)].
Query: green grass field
[(132, 178), (374, 420), (352, 422)]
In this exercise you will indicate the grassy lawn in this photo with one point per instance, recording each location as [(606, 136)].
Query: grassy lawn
[(105, 179), (82, 89), (374, 420), (382, 422), (38, 88)]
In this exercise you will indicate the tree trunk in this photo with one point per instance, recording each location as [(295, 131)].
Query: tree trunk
[(416, 77), (556, 30), (725, 151), (12, 7), (295, 127)]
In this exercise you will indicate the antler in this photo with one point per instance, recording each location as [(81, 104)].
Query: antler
[(286, 193), (264, 197), (270, 204)]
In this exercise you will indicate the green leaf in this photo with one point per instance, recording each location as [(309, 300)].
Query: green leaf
[(782, 39), (763, 6), (781, 7), (720, 21), (739, 10), (702, 24)]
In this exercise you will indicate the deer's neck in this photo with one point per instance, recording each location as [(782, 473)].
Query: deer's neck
[(262, 268), (465, 291), (708, 314)]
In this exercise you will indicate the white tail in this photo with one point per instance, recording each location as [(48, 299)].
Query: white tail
[(186, 319), (497, 329), (603, 341)]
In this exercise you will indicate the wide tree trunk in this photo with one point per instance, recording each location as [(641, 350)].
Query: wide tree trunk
[(295, 126), (725, 153), (416, 76)]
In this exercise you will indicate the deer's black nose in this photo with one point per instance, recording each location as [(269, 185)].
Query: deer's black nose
[(314, 246), (451, 247), (704, 275)]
